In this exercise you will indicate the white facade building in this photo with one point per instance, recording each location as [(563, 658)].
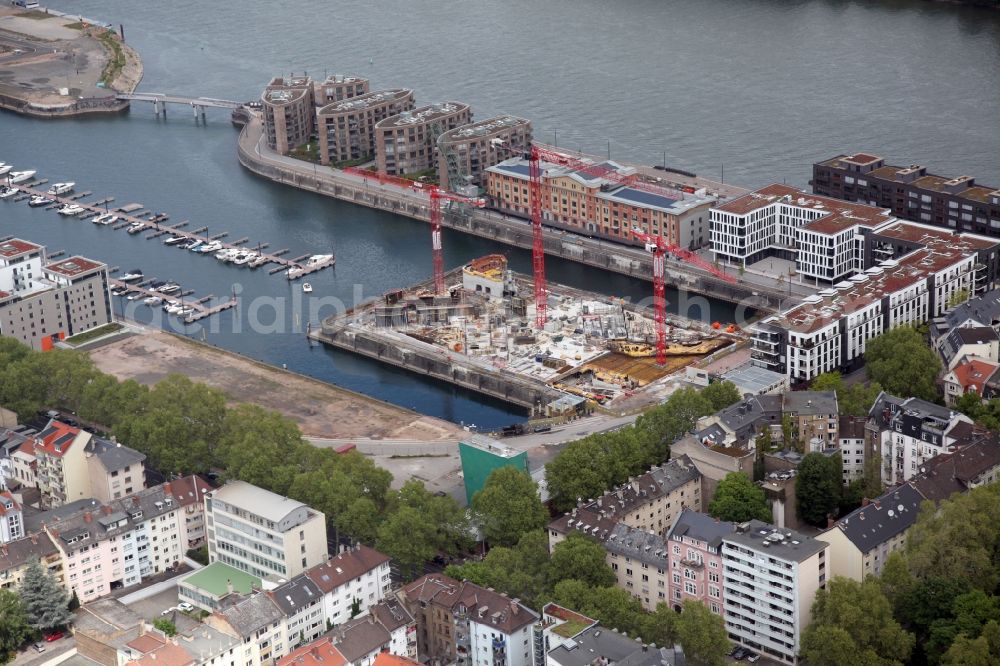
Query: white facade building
[(11, 517), (359, 575), (771, 577)]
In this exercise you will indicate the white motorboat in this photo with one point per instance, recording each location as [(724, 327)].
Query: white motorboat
[(170, 303), (152, 300), (243, 258), (119, 291), (4, 168), (61, 188), (310, 265), (173, 307), (134, 274), (37, 200), (211, 246), (226, 255), (184, 311), (8, 192), (105, 219), (260, 260), (70, 209), (174, 240), (136, 227), (169, 288), (194, 245), (135, 295), (307, 288), (20, 176)]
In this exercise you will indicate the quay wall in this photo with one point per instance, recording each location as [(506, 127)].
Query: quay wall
[(625, 260)]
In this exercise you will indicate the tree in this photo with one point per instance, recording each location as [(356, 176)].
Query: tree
[(361, 520), (762, 444), (968, 615), (853, 400), (702, 634), (611, 606), (14, 628), (818, 487), (407, 537), (74, 602), (199, 555), (520, 572), (46, 604), (721, 395), (509, 506), (896, 580), (738, 499), (580, 558), (959, 537), (927, 602), (853, 621), (789, 433), (903, 363), (981, 651), (959, 297), (166, 626)]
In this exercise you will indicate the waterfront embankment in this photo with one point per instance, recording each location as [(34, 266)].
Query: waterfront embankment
[(754, 292), (320, 409), (59, 66)]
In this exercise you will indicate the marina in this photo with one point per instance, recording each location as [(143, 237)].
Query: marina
[(135, 220)]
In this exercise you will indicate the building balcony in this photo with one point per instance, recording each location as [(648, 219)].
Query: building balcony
[(693, 564)]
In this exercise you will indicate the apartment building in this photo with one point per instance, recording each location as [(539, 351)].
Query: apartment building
[(815, 418), (105, 547), (406, 143), (771, 577), (216, 586), (301, 603), (346, 128), (571, 639), (853, 452), (971, 375), (401, 625), (606, 200), (862, 541), (11, 517), (649, 502), (338, 87), (364, 641), (464, 153), (908, 432), (42, 301), (460, 622), (639, 560), (16, 556), (258, 623), (69, 464), (289, 112), (696, 563), (13, 439), (825, 237), (190, 493), (981, 342), (830, 330), (910, 192), (971, 466), (263, 533), (359, 575)]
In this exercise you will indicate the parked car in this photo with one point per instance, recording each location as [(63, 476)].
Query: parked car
[(185, 606), (54, 636), (739, 653), (753, 657), (168, 611), (39, 647)]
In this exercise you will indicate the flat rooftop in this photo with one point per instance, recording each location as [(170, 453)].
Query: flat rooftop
[(779, 542), (73, 267), (753, 379), (15, 247), (424, 114), (365, 101), (937, 238), (840, 215), (491, 126), (215, 579), (860, 159)]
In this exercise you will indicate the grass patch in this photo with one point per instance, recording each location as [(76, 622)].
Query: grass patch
[(117, 61), (93, 334), (570, 628), (36, 15), (352, 163), (308, 152), (425, 176), (75, 26), (403, 456)]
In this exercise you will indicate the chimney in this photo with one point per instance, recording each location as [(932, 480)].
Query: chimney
[(829, 522), (135, 500), (88, 517), (106, 510), (167, 488), (865, 501), (34, 539), (229, 585)]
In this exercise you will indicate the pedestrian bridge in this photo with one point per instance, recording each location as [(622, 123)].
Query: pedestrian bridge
[(160, 100)]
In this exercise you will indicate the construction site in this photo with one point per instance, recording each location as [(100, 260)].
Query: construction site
[(483, 331)]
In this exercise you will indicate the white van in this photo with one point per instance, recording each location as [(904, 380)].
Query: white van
[(27, 4)]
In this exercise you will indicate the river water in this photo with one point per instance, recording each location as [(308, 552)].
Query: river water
[(757, 88)]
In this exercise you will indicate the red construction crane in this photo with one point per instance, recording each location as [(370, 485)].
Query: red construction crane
[(537, 239), (437, 195), (660, 248)]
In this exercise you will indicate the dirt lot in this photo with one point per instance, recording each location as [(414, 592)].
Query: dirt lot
[(320, 409)]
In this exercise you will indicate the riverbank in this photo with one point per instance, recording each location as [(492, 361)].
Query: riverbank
[(321, 410), (59, 66)]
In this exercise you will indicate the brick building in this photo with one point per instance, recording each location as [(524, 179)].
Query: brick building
[(406, 143)]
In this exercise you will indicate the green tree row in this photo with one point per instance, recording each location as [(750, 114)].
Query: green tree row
[(588, 467), (185, 427)]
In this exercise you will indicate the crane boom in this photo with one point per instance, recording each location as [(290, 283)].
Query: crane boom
[(437, 196)]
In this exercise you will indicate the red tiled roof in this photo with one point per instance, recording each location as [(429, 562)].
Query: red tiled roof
[(189, 490), (168, 654), (145, 643), (9, 495), (56, 439), (389, 659), (320, 652), (973, 374)]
